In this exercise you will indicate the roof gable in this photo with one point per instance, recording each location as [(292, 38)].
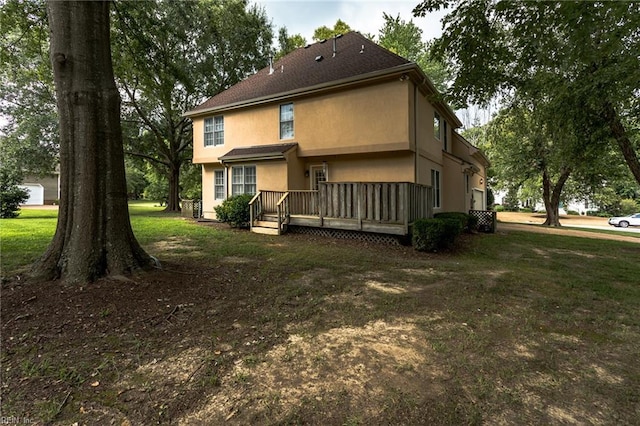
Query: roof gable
[(309, 66)]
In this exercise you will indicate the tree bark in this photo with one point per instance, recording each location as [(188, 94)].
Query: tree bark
[(93, 236), (551, 196), (622, 138)]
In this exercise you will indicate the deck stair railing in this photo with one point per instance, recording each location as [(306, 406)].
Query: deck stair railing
[(283, 212)]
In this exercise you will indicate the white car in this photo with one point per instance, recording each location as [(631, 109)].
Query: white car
[(625, 221)]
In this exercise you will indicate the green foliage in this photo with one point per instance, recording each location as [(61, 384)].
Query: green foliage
[(288, 44), (168, 57), (468, 223), (157, 188), (578, 59), (235, 211), (628, 207), (11, 196), (325, 33), (405, 39), (28, 117), (435, 234), (136, 182)]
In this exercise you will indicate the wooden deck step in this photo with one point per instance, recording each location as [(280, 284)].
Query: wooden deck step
[(266, 224), (264, 230)]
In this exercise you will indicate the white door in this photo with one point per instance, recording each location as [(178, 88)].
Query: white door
[(478, 200)]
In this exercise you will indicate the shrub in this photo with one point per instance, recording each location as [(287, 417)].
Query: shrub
[(526, 210), (435, 234), (573, 213), (235, 211), (629, 206), (468, 222), (498, 208), (11, 195)]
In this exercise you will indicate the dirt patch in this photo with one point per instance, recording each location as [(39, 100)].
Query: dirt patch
[(305, 330)]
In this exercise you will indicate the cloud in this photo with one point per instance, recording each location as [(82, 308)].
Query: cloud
[(365, 16)]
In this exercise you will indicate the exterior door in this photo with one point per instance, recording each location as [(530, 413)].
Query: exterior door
[(478, 200), (317, 174)]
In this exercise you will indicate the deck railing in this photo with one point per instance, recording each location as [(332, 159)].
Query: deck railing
[(396, 204), (255, 208)]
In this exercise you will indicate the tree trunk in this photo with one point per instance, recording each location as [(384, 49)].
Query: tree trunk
[(173, 202), (93, 237), (622, 138), (551, 196)]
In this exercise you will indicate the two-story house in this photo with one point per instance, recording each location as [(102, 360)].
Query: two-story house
[(340, 129)]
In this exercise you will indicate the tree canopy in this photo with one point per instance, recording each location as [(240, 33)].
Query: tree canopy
[(405, 39), (28, 118), (325, 33), (580, 58), (287, 43), (169, 57)]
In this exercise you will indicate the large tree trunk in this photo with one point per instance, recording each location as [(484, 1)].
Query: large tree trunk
[(93, 237), (173, 201), (551, 196)]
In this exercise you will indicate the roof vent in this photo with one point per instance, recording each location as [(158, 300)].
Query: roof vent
[(319, 58), (362, 49)]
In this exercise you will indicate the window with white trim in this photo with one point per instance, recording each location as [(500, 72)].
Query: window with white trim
[(218, 185), (436, 125), (435, 184), (286, 121), (214, 131), (243, 180)]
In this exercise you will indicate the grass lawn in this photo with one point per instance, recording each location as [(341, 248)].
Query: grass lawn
[(509, 328)]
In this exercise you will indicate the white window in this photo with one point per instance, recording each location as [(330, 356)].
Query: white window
[(214, 131), (436, 125), (218, 130), (435, 184), (243, 180), (286, 121), (208, 132), (218, 185)]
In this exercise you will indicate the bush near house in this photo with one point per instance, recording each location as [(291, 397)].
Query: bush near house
[(468, 222), (235, 211), (11, 195), (435, 234)]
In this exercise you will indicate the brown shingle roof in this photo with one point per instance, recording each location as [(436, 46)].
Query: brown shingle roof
[(276, 151), (355, 55)]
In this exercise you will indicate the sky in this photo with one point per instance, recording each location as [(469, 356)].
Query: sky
[(304, 16)]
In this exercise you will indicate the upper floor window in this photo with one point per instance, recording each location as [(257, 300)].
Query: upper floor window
[(243, 180), (436, 125), (286, 121), (214, 131)]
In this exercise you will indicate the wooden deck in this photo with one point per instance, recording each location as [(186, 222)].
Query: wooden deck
[(380, 207)]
